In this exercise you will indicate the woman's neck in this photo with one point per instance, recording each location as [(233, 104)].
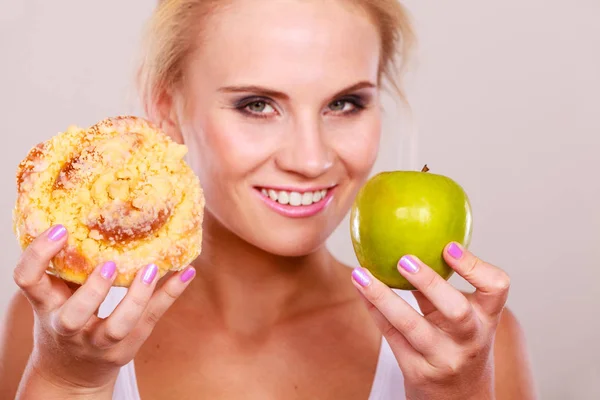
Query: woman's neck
[(249, 290)]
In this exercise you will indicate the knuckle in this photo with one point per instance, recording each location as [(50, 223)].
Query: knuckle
[(21, 279), (138, 302), (24, 275), (94, 294), (99, 342), (151, 318), (113, 335), (376, 295), (64, 325), (469, 334), (139, 335), (432, 283), (390, 332), (452, 368), (501, 283), (473, 353), (409, 325), (171, 294), (33, 254), (474, 263), (370, 306), (461, 313)]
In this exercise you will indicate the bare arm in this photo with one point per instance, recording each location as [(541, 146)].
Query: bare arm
[(16, 342), (75, 354), (513, 374), (450, 349)]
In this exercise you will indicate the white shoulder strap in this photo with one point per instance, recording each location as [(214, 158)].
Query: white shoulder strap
[(126, 385), (389, 381)]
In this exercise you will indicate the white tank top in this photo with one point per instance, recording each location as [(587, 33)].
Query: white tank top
[(387, 385)]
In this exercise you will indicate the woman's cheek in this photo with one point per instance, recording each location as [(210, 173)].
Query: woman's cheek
[(360, 147), (238, 145)]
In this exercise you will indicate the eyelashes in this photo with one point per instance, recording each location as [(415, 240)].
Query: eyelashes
[(256, 106), (263, 107), (356, 103)]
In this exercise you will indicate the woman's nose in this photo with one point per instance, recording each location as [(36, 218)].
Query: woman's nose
[(306, 152)]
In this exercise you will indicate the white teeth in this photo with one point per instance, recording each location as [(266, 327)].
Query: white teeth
[(294, 198), (307, 199), (283, 197), (273, 195)]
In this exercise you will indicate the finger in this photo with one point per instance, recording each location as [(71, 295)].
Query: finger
[(163, 299), (30, 272), (491, 283), (126, 315), (403, 351), (82, 305), (452, 304), (417, 330), (424, 304)]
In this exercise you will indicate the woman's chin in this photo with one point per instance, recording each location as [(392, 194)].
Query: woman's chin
[(290, 245), (292, 238)]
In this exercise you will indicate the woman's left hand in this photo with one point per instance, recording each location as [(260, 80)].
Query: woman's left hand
[(446, 353)]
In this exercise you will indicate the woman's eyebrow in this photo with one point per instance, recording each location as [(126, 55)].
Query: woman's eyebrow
[(356, 86), (254, 89), (277, 94)]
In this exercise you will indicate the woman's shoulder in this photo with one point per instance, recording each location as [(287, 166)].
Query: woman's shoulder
[(511, 361)]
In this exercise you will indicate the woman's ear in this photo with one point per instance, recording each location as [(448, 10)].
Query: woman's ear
[(164, 114)]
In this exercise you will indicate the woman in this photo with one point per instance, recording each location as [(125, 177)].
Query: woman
[(282, 96)]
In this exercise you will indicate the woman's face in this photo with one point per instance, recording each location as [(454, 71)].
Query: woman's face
[(281, 114)]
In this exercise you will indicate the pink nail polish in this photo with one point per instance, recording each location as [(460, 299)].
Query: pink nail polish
[(188, 274), (409, 264), (455, 251), (57, 233), (361, 277), (108, 270), (149, 274)]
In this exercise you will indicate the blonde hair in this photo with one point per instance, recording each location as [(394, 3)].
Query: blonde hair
[(173, 28)]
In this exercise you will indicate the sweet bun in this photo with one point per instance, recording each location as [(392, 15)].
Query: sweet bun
[(123, 191)]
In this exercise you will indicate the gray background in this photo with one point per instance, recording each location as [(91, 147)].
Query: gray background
[(506, 100)]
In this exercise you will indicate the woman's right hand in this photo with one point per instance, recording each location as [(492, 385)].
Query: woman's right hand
[(73, 347)]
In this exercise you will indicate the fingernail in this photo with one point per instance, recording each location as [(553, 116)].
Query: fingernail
[(409, 264), (455, 251), (188, 274), (150, 274), (57, 233), (361, 277), (108, 270)]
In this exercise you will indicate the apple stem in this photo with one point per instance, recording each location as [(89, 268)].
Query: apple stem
[(425, 168)]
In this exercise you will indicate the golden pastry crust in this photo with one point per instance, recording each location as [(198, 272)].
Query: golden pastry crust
[(123, 191)]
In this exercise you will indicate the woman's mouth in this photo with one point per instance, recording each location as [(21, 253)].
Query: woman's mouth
[(296, 203)]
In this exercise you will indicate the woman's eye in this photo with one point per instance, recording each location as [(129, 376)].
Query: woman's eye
[(259, 107), (341, 106)]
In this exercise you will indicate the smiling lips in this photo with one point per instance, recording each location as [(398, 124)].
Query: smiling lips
[(296, 204)]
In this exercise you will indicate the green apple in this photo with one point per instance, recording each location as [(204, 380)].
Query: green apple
[(408, 212)]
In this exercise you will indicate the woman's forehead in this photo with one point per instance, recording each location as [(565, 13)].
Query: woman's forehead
[(278, 40)]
